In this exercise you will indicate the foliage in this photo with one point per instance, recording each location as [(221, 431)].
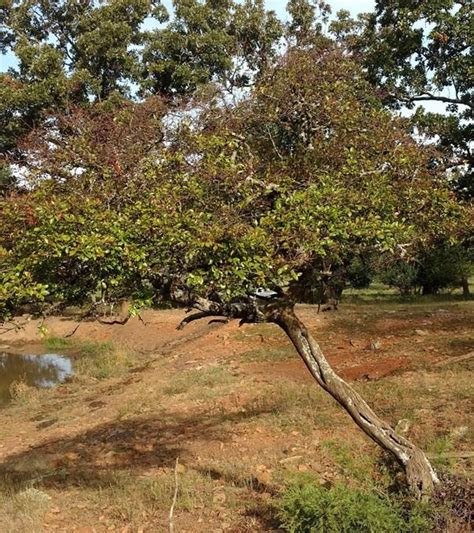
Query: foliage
[(213, 40), (308, 507), (419, 52), (303, 175), (438, 267), (70, 53)]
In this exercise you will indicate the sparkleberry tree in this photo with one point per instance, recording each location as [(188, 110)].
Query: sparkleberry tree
[(305, 173)]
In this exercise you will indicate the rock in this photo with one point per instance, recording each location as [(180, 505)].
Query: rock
[(403, 426), (421, 332), (375, 345)]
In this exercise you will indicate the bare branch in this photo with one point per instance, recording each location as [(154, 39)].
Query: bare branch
[(175, 496), (192, 318)]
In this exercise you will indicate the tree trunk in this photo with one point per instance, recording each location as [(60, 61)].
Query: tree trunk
[(421, 477), (465, 286)]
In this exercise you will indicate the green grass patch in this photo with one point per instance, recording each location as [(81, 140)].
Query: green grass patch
[(99, 360), (307, 507)]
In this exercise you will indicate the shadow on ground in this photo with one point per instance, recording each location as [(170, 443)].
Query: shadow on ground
[(90, 458)]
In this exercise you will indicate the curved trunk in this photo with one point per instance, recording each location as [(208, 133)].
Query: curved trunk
[(420, 475)]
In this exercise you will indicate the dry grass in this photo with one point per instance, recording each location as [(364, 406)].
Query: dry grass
[(23, 511), (136, 500), (24, 395), (200, 383)]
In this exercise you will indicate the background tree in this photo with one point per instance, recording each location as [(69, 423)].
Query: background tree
[(305, 173), (419, 52), (215, 40)]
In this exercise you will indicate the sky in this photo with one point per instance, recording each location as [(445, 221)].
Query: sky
[(354, 6)]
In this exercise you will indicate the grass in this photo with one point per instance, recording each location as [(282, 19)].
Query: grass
[(296, 406), (99, 360), (438, 446), (199, 384), (133, 499), (23, 395), (23, 511), (306, 507), (268, 354), (351, 463), (235, 447), (378, 293)]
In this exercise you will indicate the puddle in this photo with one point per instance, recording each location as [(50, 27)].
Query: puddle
[(35, 370)]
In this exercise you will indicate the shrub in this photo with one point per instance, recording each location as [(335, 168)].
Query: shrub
[(307, 507)]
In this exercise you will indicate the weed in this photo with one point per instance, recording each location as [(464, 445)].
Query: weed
[(306, 506), (23, 395), (102, 361), (99, 360), (439, 446), (57, 343)]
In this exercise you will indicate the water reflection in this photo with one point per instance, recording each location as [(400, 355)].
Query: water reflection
[(34, 370)]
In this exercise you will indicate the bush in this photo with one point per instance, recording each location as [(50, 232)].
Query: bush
[(307, 507)]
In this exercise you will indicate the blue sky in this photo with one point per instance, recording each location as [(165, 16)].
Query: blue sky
[(278, 6)]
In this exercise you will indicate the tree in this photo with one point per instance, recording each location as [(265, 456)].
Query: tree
[(73, 53), (418, 52), (305, 172), (220, 41)]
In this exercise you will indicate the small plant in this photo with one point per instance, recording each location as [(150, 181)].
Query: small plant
[(99, 360), (57, 343), (439, 447), (307, 507), (22, 394)]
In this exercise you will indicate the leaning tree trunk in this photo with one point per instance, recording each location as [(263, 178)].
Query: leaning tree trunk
[(420, 475)]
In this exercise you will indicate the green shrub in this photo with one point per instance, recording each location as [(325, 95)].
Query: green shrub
[(307, 507)]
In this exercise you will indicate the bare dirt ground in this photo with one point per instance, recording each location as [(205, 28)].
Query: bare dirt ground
[(236, 407)]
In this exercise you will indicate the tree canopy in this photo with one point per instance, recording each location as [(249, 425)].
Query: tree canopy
[(305, 173)]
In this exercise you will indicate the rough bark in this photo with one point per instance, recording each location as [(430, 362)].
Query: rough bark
[(420, 475)]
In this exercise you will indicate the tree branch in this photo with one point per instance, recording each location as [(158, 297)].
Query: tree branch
[(429, 97), (192, 318)]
